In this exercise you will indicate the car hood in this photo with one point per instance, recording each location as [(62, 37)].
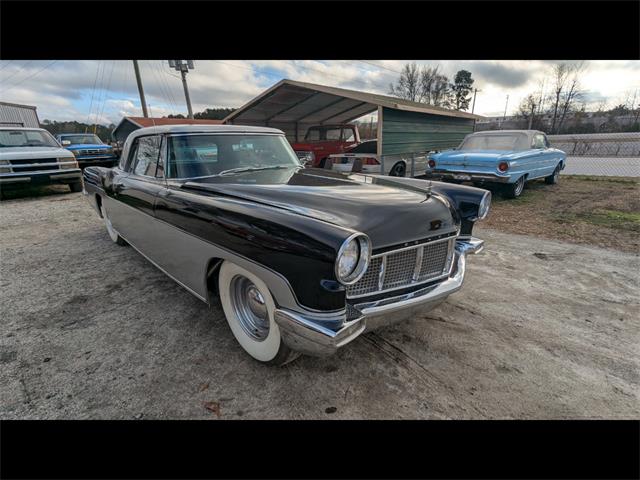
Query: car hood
[(388, 211), (17, 153)]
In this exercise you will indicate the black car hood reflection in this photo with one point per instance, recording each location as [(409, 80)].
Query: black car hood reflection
[(389, 212)]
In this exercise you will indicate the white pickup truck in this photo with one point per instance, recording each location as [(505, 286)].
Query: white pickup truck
[(398, 165), (33, 156)]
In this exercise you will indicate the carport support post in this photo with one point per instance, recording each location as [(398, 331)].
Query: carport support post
[(379, 142)]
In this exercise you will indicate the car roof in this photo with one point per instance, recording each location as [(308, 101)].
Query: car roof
[(498, 132), (203, 129)]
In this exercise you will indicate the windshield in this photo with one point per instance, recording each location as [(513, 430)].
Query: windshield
[(510, 141), (207, 155), (82, 139), (26, 138)]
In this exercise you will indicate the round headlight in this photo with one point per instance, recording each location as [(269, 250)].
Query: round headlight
[(485, 205), (353, 259)]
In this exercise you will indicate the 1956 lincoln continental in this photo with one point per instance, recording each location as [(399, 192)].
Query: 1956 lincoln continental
[(303, 260)]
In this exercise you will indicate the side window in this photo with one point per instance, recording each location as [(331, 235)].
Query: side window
[(333, 134), (313, 134), (347, 135), (146, 159), (538, 141)]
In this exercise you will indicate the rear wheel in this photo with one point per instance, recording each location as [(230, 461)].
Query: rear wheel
[(554, 177), (76, 186), (249, 310), (398, 170), (514, 190), (113, 234)]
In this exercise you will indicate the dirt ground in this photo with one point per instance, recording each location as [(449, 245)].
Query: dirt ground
[(541, 329), (600, 211)]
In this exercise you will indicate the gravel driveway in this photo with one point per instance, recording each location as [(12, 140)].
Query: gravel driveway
[(541, 329)]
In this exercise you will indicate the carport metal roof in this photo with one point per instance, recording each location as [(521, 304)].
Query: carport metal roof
[(289, 101)]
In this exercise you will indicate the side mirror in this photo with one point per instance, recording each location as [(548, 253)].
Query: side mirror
[(65, 143)]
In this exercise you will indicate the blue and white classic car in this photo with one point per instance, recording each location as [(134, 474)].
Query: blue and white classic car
[(506, 157)]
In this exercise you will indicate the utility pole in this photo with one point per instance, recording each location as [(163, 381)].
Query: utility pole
[(505, 111), (140, 89), (473, 107), (183, 66)]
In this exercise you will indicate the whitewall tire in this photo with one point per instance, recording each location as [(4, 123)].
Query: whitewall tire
[(249, 309)]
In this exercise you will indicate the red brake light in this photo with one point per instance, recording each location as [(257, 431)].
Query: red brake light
[(370, 161), (432, 163), (503, 166)]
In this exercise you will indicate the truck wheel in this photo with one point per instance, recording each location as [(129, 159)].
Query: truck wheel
[(76, 186), (398, 170), (249, 309), (514, 190), (553, 178), (113, 234)]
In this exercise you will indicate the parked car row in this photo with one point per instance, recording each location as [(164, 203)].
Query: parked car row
[(32, 156), (506, 159)]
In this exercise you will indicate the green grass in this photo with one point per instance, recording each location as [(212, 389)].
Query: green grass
[(614, 219)]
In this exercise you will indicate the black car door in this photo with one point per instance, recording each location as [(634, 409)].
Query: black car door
[(135, 194)]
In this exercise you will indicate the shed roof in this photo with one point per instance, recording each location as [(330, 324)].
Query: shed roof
[(292, 101)]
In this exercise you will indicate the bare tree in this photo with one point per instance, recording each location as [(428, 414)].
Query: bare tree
[(573, 92), (560, 75), (428, 79), (527, 109), (408, 86)]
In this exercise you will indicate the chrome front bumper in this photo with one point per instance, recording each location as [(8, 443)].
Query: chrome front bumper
[(310, 337)]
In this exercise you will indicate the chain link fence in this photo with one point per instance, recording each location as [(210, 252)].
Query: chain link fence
[(598, 144)]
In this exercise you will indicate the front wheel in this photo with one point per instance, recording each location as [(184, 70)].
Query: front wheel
[(554, 177), (398, 170), (514, 190), (249, 310)]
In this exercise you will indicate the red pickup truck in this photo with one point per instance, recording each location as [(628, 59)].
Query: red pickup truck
[(321, 141)]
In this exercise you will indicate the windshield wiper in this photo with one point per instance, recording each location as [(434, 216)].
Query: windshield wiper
[(232, 171)]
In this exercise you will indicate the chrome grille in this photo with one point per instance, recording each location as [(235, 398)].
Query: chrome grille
[(36, 164), (405, 267)]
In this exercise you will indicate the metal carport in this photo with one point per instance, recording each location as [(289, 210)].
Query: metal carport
[(403, 126)]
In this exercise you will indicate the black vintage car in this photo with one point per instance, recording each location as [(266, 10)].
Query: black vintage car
[(303, 260)]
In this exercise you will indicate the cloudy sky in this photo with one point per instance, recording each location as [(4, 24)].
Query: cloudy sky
[(105, 91)]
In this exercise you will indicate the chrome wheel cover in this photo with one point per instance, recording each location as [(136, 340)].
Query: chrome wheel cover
[(519, 186), (249, 307)]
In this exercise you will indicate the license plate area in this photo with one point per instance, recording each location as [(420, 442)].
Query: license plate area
[(459, 176)]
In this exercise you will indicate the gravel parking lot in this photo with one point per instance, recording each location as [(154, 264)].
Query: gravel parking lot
[(541, 329)]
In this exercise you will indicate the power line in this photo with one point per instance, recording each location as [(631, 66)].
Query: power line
[(20, 69), (93, 91), (31, 76)]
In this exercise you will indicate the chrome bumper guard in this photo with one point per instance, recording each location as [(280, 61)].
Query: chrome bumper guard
[(310, 337)]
